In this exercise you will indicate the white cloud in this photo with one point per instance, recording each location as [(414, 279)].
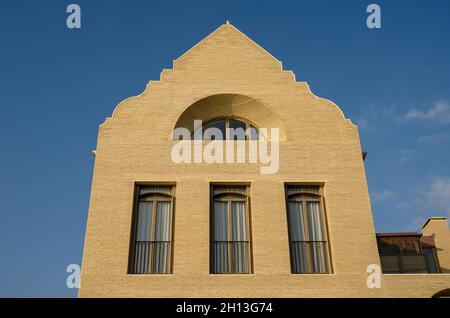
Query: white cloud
[(432, 200), (416, 224), (384, 195), (439, 112), (438, 196), (362, 123), (436, 138), (402, 205), (374, 112), (405, 155), (428, 199)]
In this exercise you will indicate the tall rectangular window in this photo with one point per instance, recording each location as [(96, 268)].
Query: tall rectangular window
[(230, 231), (151, 246), (307, 230)]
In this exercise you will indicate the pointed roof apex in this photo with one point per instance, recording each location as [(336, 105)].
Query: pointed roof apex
[(230, 28)]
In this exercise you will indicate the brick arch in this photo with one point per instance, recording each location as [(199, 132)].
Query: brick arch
[(234, 106)]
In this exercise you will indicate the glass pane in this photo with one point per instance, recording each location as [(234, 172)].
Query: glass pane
[(144, 225), (161, 257), (220, 258), (241, 262), (240, 237), (220, 237), (319, 257), (299, 257), (237, 129), (239, 231), (429, 255), (387, 246), (214, 130), (163, 226), (315, 225), (254, 133), (296, 223), (220, 221), (141, 257)]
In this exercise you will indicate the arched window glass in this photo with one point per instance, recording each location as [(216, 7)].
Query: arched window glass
[(229, 129), (212, 129)]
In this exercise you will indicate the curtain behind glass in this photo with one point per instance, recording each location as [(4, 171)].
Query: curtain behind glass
[(153, 248), (163, 228), (239, 231), (298, 237), (240, 238), (144, 229), (161, 257), (238, 244), (296, 223), (143, 238), (220, 237), (317, 238)]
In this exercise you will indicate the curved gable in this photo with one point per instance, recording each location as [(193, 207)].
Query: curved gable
[(228, 63)]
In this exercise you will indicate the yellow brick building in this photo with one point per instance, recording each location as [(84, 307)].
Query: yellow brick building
[(158, 228)]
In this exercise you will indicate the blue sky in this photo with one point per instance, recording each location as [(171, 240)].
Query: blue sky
[(58, 85)]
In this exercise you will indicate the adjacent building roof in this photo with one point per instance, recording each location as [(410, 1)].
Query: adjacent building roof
[(434, 218), (399, 234)]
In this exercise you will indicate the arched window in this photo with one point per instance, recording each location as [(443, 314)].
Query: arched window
[(307, 230), (228, 129), (230, 106), (230, 235), (151, 250)]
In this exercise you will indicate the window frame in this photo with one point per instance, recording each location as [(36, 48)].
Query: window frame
[(248, 124), (238, 197), (155, 198), (304, 197)]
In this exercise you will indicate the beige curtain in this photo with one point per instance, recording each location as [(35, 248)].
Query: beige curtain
[(308, 254), (220, 244), (317, 238), (162, 244), (158, 251), (240, 238), (298, 237), (230, 254)]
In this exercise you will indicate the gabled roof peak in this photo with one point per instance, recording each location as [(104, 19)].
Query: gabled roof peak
[(227, 27)]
